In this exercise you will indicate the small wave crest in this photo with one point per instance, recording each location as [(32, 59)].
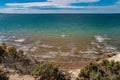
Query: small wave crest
[(101, 38), (20, 40), (63, 35)]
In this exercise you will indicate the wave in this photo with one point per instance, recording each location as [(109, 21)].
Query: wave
[(63, 35), (101, 38), (20, 40)]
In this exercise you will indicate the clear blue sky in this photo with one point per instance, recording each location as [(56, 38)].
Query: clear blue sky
[(59, 6)]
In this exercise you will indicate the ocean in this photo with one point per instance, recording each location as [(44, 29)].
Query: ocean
[(51, 35)]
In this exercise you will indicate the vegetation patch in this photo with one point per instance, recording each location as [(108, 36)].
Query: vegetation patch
[(49, 71), (101, 71)]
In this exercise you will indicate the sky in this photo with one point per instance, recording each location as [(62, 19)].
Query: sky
[(59, 6)]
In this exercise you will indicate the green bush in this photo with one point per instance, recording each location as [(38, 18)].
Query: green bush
[(11, 51), (49, 71), (3, 75), (100, 71), (4, 46), (2, 51)]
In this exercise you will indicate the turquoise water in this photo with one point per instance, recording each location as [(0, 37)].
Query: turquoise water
[(61, 35), (61, 24)]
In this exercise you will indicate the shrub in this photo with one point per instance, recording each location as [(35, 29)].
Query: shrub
[(3, 75), (11, 51), (49, 71), (100, 71), (20, 53), (4, 46), (2, 51)]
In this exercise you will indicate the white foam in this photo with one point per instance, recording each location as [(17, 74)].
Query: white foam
[(46, 46), (34, 48), (63, 35), (13, 36), (90, 52), (17, 45), (47, 56), (111, 48), (20, 40), (2, 36), (101, 39), (65, 54), (25, 48), (2, 39)]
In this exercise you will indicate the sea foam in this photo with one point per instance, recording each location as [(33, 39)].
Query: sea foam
[(63, 35), (20, 40), (101, 38)]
